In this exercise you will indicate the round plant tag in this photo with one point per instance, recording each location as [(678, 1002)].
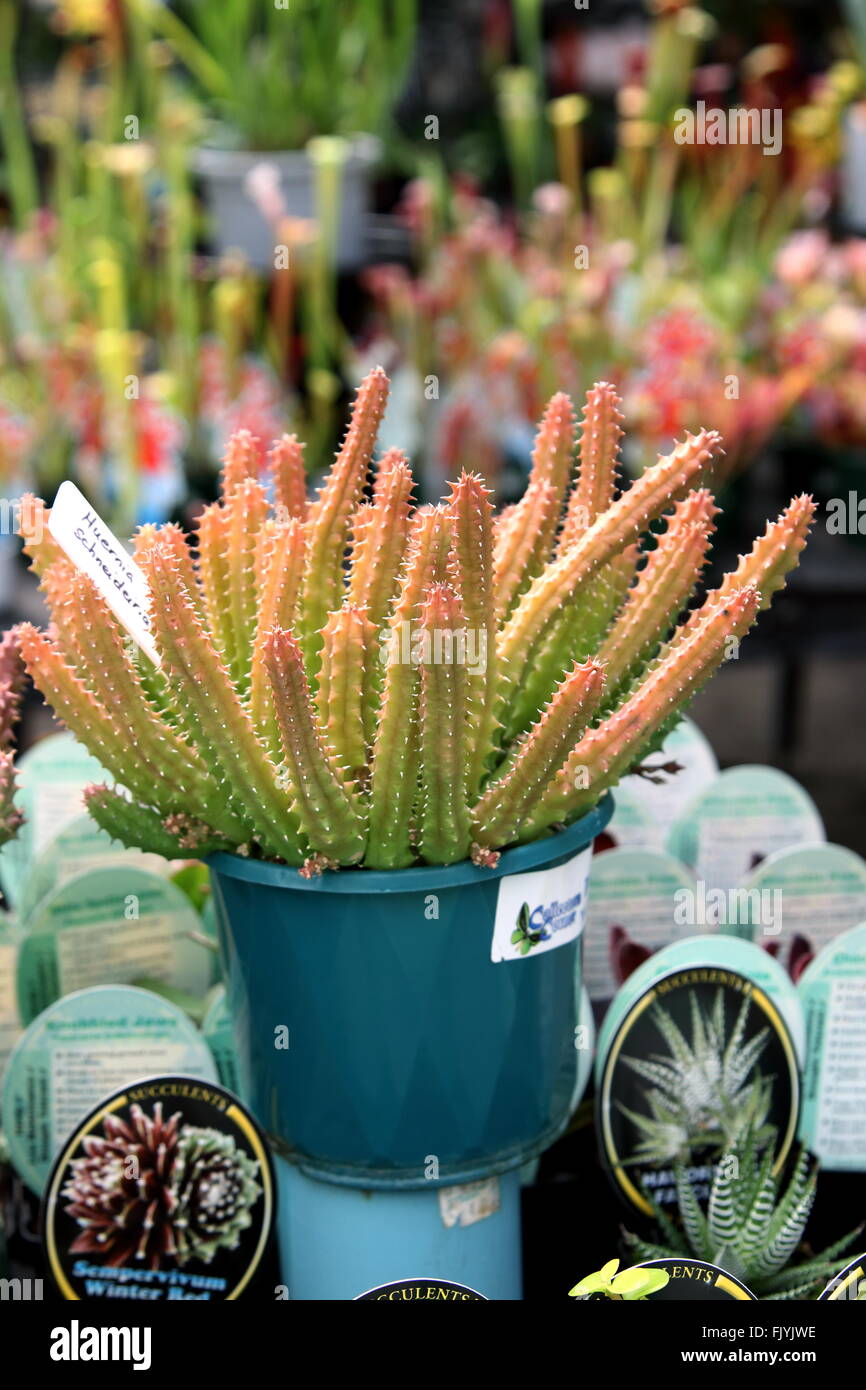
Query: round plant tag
[(739, 821), (632, 911), (82, 1049), (699, 1055), (164, 1193), (833, 992), (683, 767), (800, 899), (51, 777), (77, 848), (424, 1290), (700, 952), (695, 1281), (10, 1019), (630, 827), (849, 1283), (113, 925)]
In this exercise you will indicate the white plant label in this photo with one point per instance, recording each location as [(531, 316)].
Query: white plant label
[(94, 549), (539, 911)]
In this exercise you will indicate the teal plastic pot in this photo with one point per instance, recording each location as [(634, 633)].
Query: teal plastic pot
[(378, 1043)]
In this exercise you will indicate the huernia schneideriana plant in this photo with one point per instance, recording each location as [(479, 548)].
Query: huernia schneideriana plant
[(350, 682)]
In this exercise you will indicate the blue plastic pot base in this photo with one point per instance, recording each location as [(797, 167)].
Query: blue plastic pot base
[(339, 1242)]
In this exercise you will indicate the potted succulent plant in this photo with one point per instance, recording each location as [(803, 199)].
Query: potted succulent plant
[(753, 1225), (281, 79), (392, 732)]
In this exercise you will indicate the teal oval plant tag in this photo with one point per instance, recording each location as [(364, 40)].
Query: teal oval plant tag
[(698, 1055), (630, 826), (11, 1027), (52, 776), (833, 993), (112, 925), (78, 1052), (76, 849), (632, 914), (800, 899), (746, 815), (649, 804)]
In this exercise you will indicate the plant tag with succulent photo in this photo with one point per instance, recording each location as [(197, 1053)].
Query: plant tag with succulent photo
[(699, 1055), (94, 549), (536, 912), (833, 991), (702, 952), (163, 1193), (427, 1290), (695, 1281)]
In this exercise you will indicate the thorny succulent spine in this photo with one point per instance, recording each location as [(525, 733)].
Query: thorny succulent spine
[(275, 728)]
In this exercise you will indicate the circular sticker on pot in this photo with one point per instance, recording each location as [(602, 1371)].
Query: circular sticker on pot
[(801, 898), (683, 767), (833, 992), (725, 952), (425, 1290), (849, 1283), (51, 777), (77, 848), (699, 1056), (695, 1281), (82, 1049), (164, 1193), (632, 914), (118, 925), (739, 821)]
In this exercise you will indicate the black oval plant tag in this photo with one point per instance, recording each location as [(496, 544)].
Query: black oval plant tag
[(849, 1283), (165, 1193), (696, 1281), (422, 1290), (700, 1054)]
